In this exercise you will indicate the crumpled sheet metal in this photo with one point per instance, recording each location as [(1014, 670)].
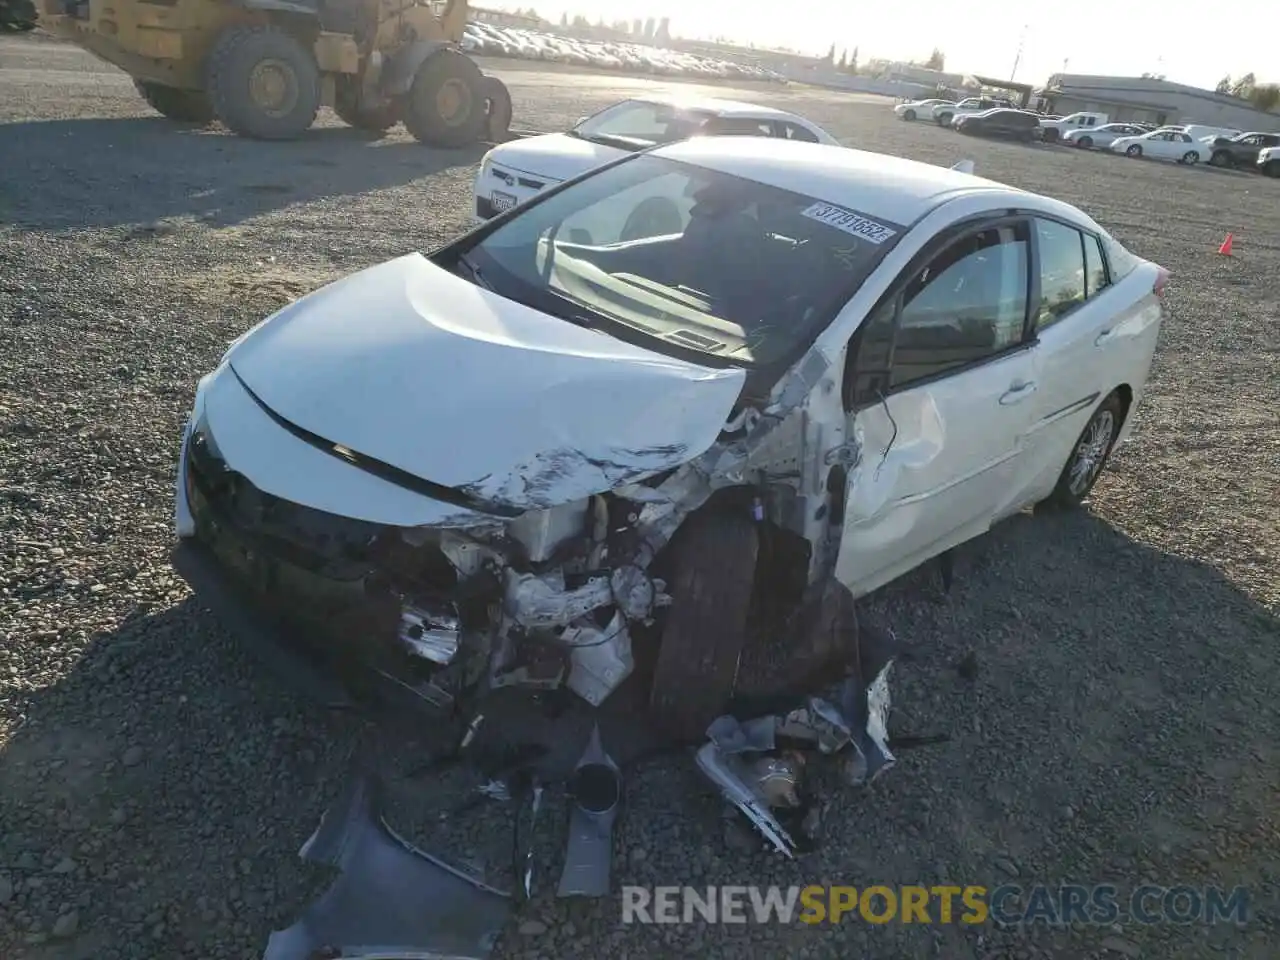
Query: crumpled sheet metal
[(597, 784), (728, 772), (391, 899)]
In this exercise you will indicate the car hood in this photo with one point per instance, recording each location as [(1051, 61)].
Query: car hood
[(407, 364), (557, 156)]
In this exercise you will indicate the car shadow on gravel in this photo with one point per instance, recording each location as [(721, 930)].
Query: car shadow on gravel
[(154, 799), (140, 171)]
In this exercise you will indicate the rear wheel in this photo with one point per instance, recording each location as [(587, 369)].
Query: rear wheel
[(1191, 157), (1088, 456), (908, 114), (1051, 135), (944, 120), (1221, 158), (185, 106), (446, 104), (1271, 168), (1133, 151), (263, 83), (498, 108), (1085, 142), (714, 565)]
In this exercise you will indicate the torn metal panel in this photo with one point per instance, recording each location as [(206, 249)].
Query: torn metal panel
[(600, 658), (735, 781), (391, 899), (596, 788)]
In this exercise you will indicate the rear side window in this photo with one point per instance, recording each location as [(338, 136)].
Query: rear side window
[(793, 131), (1062, 272), (1095, 267)]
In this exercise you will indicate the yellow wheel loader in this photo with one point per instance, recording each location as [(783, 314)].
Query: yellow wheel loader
[(264, 67)]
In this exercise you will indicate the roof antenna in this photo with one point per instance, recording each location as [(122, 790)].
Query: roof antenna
[(964, 166)]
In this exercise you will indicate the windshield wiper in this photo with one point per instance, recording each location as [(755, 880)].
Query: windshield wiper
[(474, 270)]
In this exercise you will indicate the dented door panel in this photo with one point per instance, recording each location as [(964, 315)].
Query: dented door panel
[(936, 461)]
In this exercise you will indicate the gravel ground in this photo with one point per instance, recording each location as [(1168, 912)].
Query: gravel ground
[(155, 784)]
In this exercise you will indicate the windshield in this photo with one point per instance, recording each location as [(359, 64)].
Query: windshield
[(636, 124), (684, 260)]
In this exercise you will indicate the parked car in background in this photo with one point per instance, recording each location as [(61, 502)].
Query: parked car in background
[(1163, 144), (1000, 122), (1055, 128), (1102, 137), (514, 171), (1206, 134), (945, 113), (544, 402), (1241, 151), (917, 109), (1269, 161)]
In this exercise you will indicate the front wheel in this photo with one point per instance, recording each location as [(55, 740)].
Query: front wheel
[(1221, 158), (1271, 168), (1133, 151), (1085, 143), (908, 115), (1089, 455), (263, 83), (446, 104), (944, 120), (1191, 157), (713, 573)]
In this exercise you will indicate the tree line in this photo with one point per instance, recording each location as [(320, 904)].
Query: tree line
[(1264, 96)]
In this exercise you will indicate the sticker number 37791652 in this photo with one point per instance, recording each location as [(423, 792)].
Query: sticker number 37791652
[(849, 222)]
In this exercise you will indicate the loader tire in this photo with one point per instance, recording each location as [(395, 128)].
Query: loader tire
[(263, 83), (346, 105), (446, 104), (498, 101), (713, 572), (185, 106)]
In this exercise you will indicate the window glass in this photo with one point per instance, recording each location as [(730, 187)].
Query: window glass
[(638, 123), (967, 304), (684, 258), (736, 127), (1095, 266), (793, 131), (1061, 271)]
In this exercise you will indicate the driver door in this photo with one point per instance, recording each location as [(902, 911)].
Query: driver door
[(936, 389)]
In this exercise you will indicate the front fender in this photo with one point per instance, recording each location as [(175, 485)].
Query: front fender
[(397, 76)]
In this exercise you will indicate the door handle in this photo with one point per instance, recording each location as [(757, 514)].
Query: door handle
[(1102, 338), (1017, 393)]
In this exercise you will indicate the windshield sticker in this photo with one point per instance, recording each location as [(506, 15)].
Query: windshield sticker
[(849, 222)]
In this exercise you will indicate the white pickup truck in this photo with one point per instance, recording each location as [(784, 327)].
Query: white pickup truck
[(946, 113), (1056, 129)]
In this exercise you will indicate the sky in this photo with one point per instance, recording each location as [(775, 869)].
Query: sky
[(1182, 39)]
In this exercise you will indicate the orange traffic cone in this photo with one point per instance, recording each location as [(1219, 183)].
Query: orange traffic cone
[(1225, 249)]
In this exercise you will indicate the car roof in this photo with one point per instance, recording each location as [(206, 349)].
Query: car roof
[(876, 184), (719, 106)]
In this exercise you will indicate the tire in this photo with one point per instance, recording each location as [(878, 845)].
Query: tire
[(1221, 158), (184, 106), (1133, 151), (1271, 168), (713, 571), (944, 120), (908, 114), (498, 107), (1089, 454), (1191, 158), (1085, 143), (1051, 135), (445, 74), (347, 106), (263, 83)]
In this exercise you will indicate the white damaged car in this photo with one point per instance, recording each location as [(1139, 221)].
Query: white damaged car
[(514, 171), (501, 461)]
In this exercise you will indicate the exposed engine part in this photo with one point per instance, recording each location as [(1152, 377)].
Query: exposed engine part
[(636, 593), (540, 532), (431, 630), (820, 722), (543, 601), (391, 899), (601, 658), (777, 779), (737, 783), (596, 788)]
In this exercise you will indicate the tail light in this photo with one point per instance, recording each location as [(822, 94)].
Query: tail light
[(1162, 280)]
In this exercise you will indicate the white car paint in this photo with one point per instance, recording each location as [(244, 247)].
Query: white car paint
[(471, 395), (1203, 133), (1269, 161), (1163, 144), (513, 172), (918, 109), (1099, 138), (1083, 120)]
